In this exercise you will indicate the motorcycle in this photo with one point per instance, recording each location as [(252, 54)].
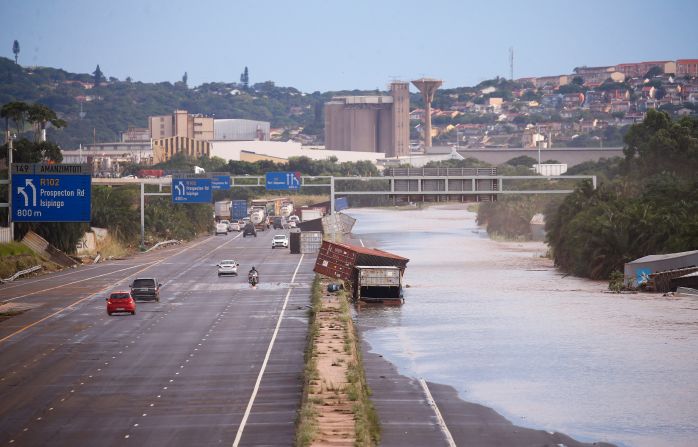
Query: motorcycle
[(253, 279)]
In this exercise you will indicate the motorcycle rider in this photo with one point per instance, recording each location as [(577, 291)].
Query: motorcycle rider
[(253, 273)]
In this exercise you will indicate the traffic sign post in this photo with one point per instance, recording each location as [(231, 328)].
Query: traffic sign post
[(51, 192), (283, 181), (191, 190)]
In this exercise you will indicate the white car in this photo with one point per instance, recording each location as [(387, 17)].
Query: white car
[(280, 240), (221, 228), (292, 224), (234, 226), (228, 267), (227, 224), (294, 218)]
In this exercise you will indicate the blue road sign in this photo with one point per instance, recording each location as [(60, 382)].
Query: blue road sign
[(220, 182), (191, 190), (51, 192), (283, 181)]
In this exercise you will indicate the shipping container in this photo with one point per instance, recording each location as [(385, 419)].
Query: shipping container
[(337, 260), (222, 209), (295, 242), (239, 209), (378, 284), (310, 241)]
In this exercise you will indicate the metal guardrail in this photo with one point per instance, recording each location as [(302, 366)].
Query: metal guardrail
[(20, 273), (163, 243)]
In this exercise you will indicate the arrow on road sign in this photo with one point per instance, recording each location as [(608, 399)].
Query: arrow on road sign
[(30, 184), (20, 190), (180, 188)]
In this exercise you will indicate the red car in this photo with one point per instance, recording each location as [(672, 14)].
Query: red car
[(121, 301)]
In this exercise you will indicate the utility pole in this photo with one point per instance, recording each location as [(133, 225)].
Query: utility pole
[(10, 223)]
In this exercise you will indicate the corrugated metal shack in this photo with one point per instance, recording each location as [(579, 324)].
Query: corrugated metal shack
[(380, 271), (638, 271)]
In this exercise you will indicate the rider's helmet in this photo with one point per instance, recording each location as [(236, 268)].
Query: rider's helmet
[(253, 268)]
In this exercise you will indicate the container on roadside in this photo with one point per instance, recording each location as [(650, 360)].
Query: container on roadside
[(310, 241)]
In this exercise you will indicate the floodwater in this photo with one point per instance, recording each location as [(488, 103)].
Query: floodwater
[(497, 322)]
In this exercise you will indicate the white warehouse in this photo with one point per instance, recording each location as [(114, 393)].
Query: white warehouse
[(240, 130)]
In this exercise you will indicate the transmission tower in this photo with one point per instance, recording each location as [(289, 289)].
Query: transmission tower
[(511, 63)]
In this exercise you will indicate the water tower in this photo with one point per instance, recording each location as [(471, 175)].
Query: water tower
[(427, 87)]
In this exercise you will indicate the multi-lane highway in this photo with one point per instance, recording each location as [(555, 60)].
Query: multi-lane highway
[(215, 362)]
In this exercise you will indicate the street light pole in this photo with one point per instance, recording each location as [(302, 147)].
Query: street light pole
[(10, 222)]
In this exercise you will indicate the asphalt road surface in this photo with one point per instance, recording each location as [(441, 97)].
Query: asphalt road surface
[(215, 362)]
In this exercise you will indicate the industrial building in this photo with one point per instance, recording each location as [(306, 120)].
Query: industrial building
[(280, 151), (638, 271), (181, 124), (370, 123), (241, 130)]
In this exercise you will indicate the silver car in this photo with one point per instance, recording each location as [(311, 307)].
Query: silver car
[(228, 267)]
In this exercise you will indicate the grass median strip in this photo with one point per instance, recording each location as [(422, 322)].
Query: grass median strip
[(336, 405)]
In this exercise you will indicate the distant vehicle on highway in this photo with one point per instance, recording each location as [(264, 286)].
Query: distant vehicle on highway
[(234, 226), (249, 230), (280, 240), (228, 267), (279, 223), (221, 228), (227, 224), (121, 301), (146, 289)]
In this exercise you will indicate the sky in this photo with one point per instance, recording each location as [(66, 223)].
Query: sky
[(327, 45)]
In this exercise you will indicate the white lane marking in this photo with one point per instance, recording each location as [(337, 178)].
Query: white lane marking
[(75, 282), (439, 418), (362, 243), (238, 436), (147, 266)]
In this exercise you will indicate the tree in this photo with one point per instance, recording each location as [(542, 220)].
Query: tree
[(40, 115), (245, 78), (654, 71), (17, 112), (578, 80), (15, 50), (184, 78), (99, 76)]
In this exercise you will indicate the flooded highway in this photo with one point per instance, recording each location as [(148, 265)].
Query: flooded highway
[(497, 322)]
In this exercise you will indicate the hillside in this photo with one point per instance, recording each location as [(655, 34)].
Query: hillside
[(117, 104)]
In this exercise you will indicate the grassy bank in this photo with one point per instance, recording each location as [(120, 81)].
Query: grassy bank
[(15, 257), (336, 399)]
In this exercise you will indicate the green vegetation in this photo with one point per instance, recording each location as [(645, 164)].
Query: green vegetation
[(651, 207), (306, 423), (15, 257), (111, 107), (646, 203), (14, 249)]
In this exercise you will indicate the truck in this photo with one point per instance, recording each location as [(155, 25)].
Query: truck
[(258, 216), (222, 209), (151, 173), (239, 209), (311, 213), (286, 209)]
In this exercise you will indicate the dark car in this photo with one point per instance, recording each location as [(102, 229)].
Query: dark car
[(249, 230), (145, 289), (279, 223)]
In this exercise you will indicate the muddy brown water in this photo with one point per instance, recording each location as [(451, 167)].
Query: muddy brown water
[(496, 321)]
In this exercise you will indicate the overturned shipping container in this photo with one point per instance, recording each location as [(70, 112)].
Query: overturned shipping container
[(374, 275)]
